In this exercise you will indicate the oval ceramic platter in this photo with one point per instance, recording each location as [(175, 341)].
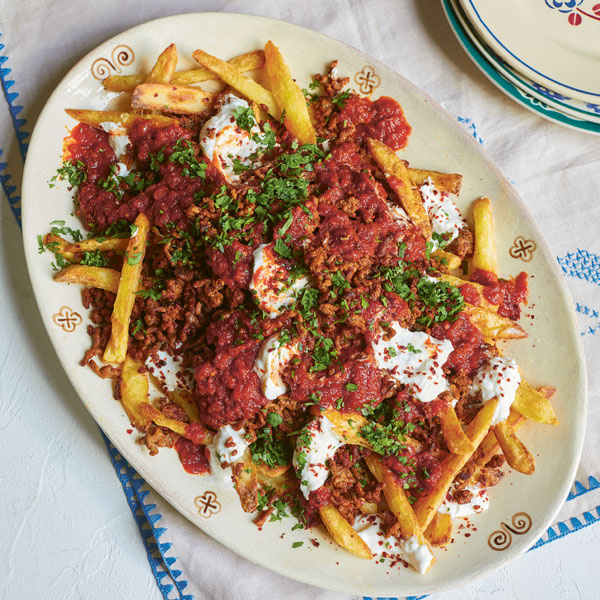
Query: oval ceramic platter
[(521, 507)]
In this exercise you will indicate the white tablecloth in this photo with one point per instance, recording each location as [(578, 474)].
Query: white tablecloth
[(46, 435)]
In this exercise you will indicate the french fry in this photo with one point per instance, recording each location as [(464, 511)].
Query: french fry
[(116, 348), (534, 405), (125, 119), (484, 256), (348, 426), (96, 277), (396, 498), (444, 182), (246, 482), (57, 244), (341, 531), (272, 472), (163, 70), (238, 81), (489, 447), (288, 96), (515, 451), (449, 260), (195, 432), (439, 532), (492, 325), (184, 400), (457, 282), (456, 440), (427, 505), (369, 508), (134, 393), (397, 175), (93, 244), (250, 61), (178, 99)]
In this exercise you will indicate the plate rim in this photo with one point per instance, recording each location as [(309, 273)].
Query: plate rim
[(519, 63), (519, 79), (510, 89), (149, 474)]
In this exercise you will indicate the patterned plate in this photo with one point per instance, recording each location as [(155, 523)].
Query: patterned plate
[(521, 508), (506, 79), (552, 42)]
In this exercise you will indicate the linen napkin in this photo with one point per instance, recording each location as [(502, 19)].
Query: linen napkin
[(555, 170)]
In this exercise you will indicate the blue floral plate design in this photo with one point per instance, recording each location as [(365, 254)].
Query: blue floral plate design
[(523, 97)]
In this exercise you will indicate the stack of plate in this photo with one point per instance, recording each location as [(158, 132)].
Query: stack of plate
[(545, 54)]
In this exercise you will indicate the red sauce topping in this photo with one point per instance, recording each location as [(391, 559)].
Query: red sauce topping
[(469, 346), (509, 294), (233, 266), (91, 146), (483, 277), (470, 293), (419, 472), (163, 202), (374, 230), (358, 384), (227, 388), (382, 120), (195, 432), (193, 457)]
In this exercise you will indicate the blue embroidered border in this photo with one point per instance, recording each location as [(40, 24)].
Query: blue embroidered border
[(163, 566), (14, 109)]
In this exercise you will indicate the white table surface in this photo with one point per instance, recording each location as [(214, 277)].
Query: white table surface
[(67, 531)]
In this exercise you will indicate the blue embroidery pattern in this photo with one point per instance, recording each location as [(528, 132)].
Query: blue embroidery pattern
[(592, 314), (162, 565), (471, 128), (14, 200), (581, 264), (13, 108)]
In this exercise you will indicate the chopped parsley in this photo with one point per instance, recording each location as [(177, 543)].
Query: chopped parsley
[(274, 419), (282, 249), (72, 171), (93, 259), (340, 99), (270, 450), (59, 228), (244, 117), (183, 153)]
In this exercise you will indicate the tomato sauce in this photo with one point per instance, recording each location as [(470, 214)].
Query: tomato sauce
[(382, 120), (163, 202), (227, 387), (358, 384), (373, 231), (90, 146), (508, 294), (420, 472), (470, 293), (195, 458), (469, 346), (233, 265)]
